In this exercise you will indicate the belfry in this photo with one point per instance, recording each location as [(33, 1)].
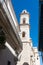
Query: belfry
[(27, 56)]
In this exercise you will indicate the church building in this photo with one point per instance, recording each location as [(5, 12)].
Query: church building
[(29, 54)]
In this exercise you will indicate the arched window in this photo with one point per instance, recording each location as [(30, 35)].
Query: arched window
[(23, 34), (24, 20), (25, 63)]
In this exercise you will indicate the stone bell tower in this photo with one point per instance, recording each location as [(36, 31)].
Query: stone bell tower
[(28, 55), (25, 38), (24, 26)]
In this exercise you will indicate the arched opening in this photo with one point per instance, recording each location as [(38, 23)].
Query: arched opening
[(25, 63), (23, 34), (24, 20)]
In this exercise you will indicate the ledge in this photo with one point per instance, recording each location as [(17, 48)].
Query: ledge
[(10, 30)]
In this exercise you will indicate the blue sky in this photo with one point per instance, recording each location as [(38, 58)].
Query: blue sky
[(32, 6)]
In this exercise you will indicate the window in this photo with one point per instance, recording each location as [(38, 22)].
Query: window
[(31, 56), (9, 63), (37, 58), (25, 63), (24, 21), (23, 34)]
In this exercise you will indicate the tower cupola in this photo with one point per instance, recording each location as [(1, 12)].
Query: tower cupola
[(24, 17)]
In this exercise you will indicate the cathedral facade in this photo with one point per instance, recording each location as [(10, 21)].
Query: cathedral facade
[(29, 54)]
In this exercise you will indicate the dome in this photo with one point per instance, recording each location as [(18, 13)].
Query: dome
[(24, 11)]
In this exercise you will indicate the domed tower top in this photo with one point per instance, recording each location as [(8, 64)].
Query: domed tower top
[(24, 17), (25, 12)]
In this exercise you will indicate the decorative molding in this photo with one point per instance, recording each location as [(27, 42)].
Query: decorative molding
[(24, 25)]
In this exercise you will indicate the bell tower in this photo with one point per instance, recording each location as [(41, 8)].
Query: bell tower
[(25, 38), (24, 26), (27, 56)]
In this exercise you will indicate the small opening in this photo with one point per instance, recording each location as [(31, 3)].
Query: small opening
[(37, 58), (24, 11), (9, 63), (23, 34), (31, 56), (25, 63), (24, 21)]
